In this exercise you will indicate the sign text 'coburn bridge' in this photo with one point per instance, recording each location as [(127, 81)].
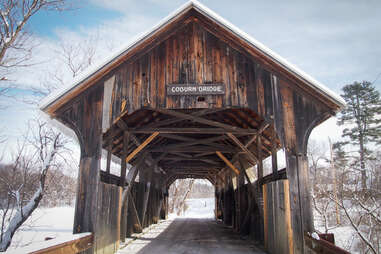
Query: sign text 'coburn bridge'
[(195, 89)]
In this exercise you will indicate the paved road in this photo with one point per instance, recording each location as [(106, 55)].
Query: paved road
[(190, 235)]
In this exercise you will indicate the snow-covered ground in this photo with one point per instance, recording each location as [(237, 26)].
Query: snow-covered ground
[(44, 222), (345, 236), (198, 208)]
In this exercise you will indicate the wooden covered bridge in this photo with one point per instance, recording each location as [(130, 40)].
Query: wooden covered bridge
[(194, 98)]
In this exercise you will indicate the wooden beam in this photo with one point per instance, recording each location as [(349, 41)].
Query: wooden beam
[(243, 170), (123, 164), (265, 216), (198, 119), (141, 146), (209, 161), (109, 154), (68, 247), (132, 173), (242, 146), (287, 215), (184, 155), (236, 157), (191, 131), (146, 197), (259, 154), (202, 154), (122, 125), (274, 158), (193, 141), (176, 137), (134, 211), (194, 149), (203, 147), (175, 120), (227, 162)]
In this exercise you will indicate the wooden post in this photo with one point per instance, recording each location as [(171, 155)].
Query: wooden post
[(287, 207), (126, 137), (109, 154), (86, 212), (259, 155), (132, 173), (265, 213), (300, 200), (146, 198), (134, 210), (274, 158)]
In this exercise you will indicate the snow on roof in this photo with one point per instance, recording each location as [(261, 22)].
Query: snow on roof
[(313, 83)]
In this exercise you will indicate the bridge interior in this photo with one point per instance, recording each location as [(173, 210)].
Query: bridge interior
[(219, 145), (194, 142)]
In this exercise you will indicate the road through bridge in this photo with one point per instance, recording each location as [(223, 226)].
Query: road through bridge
[(195, 97)]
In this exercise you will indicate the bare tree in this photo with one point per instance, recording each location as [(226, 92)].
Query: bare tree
[(29, 171), (70, 59), (178, 193), (15, 40)]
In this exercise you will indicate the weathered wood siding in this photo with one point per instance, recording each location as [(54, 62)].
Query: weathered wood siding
[(108, 219), (194, 55), (277, 220)]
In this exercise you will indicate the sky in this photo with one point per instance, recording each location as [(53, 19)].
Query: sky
[(336, 42)]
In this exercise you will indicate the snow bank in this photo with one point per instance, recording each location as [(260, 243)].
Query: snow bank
[(44, 222)]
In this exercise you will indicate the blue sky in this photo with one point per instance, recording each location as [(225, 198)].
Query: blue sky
[(84, 14), (336, 42)]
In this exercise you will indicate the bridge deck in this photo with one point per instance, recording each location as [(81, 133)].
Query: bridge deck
[(190, 235)]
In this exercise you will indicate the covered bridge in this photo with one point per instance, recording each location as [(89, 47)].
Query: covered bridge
[(195, 97)]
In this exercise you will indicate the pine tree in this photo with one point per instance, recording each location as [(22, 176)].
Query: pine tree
[(363, 118)]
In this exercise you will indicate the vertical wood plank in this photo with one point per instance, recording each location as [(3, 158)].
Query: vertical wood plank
[(287, 207), (119, 214), (265, 216), (123, 164), (259, 155), (274, 158)]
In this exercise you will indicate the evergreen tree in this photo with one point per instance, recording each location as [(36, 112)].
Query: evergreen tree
[(363, 118)]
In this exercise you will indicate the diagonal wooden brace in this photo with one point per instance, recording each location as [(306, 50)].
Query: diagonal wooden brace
[(227, 162), (142, 145)]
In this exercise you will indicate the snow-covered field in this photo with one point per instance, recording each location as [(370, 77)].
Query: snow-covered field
[(44, 222), (198, 208)]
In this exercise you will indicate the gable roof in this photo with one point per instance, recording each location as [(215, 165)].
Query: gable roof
[(80, 81)]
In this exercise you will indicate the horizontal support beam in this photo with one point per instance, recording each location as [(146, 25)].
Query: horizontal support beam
[(193, 149), (191, 131), (175, 120), (199, 119)]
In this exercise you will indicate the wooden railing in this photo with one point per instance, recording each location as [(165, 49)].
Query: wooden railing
[(323, 246), (74, 245)]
